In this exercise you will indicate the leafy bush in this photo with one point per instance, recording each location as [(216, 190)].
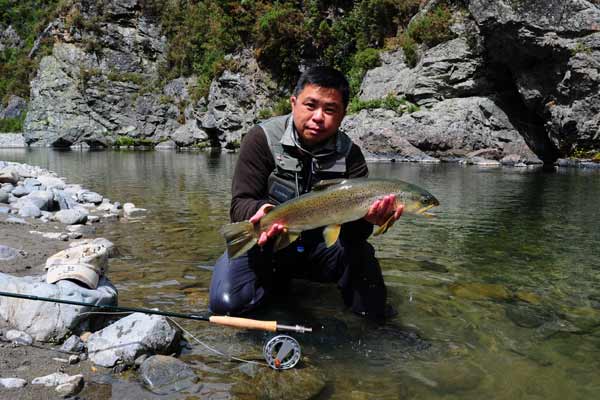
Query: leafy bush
[(362, 62), (390, 102), (12, 124)]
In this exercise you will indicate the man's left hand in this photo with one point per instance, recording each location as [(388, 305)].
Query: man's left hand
[(383, 209)]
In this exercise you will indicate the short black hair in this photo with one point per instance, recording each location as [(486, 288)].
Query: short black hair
[(326, 77)]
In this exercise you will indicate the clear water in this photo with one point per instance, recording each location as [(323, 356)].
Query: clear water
[(498, 295)]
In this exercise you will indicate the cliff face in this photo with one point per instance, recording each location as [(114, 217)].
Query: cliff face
[(519, 82)]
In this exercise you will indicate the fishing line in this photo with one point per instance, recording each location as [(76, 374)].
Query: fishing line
[(206, 346)]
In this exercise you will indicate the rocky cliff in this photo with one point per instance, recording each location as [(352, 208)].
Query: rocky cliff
[(518, 82)]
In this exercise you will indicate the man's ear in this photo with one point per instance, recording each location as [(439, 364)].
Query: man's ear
[(293, 102)]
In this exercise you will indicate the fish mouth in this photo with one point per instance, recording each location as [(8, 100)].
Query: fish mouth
[(421, 211)]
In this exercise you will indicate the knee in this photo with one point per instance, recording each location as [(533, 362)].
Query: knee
[(225, 301)]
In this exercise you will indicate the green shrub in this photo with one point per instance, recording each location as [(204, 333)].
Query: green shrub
[(362, 62), (432, 28), (12, 124), (390, 102)]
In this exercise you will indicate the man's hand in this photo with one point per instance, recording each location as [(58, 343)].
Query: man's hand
[(383, 209), (273, 230)]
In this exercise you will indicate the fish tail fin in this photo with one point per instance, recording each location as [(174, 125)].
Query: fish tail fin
[(240, 237)]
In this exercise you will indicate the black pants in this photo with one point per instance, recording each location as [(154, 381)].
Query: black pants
[(242, 284)]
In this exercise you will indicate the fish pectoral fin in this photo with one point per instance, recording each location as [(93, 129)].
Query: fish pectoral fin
[(331, 234), (383, 228), (285, 239)]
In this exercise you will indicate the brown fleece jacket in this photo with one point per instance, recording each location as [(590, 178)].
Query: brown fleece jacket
[(252, 170)]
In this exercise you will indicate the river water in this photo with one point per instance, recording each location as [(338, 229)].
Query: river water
[(498, 295)]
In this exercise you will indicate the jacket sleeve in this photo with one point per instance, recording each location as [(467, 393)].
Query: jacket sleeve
[(250, 178), (357, 168)]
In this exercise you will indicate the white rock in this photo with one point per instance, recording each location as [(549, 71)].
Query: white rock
[(18, 337), (72, 387), (51, 182), (131, 211), (57, 378), (46, 321), (131, 337), (12, 383)]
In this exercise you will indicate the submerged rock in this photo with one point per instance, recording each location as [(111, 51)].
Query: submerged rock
[(296, 384), (480, 291), (130, 337), (166, 375)]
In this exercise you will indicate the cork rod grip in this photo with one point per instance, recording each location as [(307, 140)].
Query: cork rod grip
[(244, 323)]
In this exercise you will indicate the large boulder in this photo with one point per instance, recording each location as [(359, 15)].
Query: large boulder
[(235, 99), (548, 52), (47, 321), (450, 128)]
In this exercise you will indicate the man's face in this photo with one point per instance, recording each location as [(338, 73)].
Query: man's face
[(317, 113)]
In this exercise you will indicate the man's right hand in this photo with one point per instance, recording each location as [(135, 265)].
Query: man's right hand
[(273, 230)]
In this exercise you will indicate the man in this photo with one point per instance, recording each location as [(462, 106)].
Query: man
[(283, 158)]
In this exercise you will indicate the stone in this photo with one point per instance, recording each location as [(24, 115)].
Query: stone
[(46, 321), (166, 145), (42, 199), (89, 197), (9, 253), (57, 378), (12, 383), (131, 337), (18, 337), (8, 176), (30, 211), (51, 182), (21, 191), (166, 375), (15, 108), (131, 211), (72, 216), (3, 197), (73, 345), (72, 387)]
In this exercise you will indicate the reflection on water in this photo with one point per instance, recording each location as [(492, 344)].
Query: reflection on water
[(499, 294)]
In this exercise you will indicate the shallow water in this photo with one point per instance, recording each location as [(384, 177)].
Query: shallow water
[(498, 296)]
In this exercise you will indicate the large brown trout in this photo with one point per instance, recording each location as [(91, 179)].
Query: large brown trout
[(330, 204)]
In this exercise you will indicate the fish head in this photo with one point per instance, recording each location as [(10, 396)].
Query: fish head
[(418, 202)]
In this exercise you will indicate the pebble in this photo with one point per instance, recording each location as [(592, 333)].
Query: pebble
[(72, 345), (73, 386), (18, 337), (74, 359), (12, 383), (55, 379)]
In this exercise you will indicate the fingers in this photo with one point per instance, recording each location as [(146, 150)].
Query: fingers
[(270, 233), (264, 209), (383, 209)]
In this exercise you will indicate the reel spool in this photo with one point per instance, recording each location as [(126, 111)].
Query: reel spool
[(282, 352)]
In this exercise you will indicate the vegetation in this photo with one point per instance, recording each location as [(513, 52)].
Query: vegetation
[(29, 18), (127, 141), (12, 124), (283, 34), (390, 102)]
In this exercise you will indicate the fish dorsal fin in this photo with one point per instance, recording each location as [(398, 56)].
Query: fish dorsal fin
[(285, 239), (327, 183), (331, 234)]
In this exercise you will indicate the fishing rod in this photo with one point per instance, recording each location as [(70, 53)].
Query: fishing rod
[(235, 322), (280, 352)]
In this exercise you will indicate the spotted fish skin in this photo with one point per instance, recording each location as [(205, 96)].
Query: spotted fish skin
[(330, 204)]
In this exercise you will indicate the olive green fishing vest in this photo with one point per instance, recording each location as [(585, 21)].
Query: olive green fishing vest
[(294, 176)]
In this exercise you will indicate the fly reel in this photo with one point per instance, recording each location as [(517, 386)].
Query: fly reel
[(282, 352)]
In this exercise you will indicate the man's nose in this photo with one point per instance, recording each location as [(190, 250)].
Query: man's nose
[(318, 114)]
